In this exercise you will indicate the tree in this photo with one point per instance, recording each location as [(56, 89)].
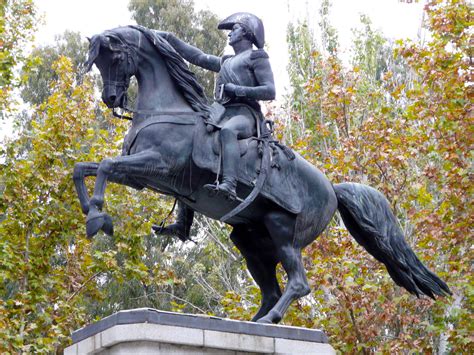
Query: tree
[(39, 76), (441, 111), (50, 273), (398, 119), (179, 17), (17, 24), (40, 262)]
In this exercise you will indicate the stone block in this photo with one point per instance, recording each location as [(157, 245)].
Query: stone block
[(71, 350), (147, 331), (240, 342), (152, 332), (89, 345), (285, 346)]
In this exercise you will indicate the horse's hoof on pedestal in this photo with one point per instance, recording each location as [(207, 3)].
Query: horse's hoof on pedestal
[(272, 317), (264, 320)]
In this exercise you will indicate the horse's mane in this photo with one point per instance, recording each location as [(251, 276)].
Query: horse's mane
[(184, 78)]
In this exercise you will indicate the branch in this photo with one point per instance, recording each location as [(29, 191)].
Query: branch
[(354, 323), (83, 285)]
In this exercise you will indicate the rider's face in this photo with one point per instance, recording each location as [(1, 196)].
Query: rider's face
[(236, 34)]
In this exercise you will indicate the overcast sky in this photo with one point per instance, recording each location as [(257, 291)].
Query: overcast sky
[(395, 19)]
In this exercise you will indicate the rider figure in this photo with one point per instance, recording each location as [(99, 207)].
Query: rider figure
[(243, 79)]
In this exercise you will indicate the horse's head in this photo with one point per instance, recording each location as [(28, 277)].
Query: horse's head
[(134, 50), (116, 60)]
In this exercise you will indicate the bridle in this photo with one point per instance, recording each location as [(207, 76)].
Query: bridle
[(129, 57), (129, 65)]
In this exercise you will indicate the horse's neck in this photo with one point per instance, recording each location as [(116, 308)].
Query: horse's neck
[(156, 89)]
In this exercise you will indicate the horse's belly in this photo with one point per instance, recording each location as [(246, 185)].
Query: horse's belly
[(217, 206)]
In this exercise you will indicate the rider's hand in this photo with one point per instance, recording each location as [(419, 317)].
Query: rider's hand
[(163, 34), (234, 90), (230, 88)]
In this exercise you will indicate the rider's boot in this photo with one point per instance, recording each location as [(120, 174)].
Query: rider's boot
[(181, 227), (228, 186), (230, 159)]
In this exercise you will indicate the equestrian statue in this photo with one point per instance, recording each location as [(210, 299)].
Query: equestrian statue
[(220, 160)]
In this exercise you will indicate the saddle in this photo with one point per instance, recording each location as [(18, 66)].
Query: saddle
[(280, 185)]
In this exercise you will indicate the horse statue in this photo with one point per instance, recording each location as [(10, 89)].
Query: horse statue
[(165, 151)]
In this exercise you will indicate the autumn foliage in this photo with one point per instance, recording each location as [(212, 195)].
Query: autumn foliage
[(404, 128), (397, 118)]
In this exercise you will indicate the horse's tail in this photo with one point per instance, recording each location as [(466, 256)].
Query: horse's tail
[(367, 215)]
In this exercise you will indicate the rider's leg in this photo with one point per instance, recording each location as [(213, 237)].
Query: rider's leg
[(182, 226), (238, 127)]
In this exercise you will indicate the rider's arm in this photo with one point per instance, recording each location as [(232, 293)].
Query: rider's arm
[(264, 75), (192, 54)]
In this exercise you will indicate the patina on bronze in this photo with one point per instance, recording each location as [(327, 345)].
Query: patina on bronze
[(169, 150), (243, 80)]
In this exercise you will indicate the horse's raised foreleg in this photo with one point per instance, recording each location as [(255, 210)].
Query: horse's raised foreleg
[(143, 164), (281, 225), (259, 253), (81, 171)]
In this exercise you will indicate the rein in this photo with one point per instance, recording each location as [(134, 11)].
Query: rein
[(130, 52), (153, 113)]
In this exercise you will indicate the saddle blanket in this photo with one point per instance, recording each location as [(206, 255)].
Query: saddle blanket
[(281, 184)]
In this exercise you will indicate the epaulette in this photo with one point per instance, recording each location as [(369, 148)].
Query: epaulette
[(259, 53)]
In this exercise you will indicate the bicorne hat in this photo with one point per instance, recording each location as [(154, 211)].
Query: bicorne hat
[(250, 21)]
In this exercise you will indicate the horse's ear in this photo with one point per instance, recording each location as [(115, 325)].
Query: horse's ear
[(93, 52), (89, 39)]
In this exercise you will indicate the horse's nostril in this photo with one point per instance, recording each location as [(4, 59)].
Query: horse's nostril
[(111, 99)]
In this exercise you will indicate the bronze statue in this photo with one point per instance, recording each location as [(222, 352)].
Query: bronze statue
[(282, 203), (243, 79)]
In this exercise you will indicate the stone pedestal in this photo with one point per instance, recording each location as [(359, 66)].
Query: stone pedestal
[(148, 331)]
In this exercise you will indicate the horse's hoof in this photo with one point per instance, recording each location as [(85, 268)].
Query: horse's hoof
[(96, 221), (108, 226), (264, 320), (94, 224), (272, 317)]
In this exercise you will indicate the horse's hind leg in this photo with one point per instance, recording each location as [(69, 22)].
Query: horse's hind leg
[(260, 255), (281, 227)]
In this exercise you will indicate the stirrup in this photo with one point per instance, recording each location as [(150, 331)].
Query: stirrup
[(212, 189)]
